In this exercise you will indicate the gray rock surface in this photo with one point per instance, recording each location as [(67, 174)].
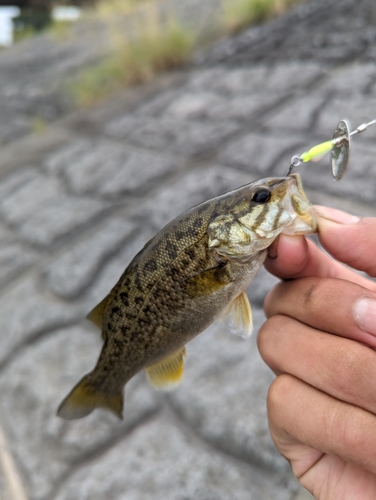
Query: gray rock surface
[(340, 31), (165, 458), (51, 365), (80, 200), (216, 364), (72, 272)]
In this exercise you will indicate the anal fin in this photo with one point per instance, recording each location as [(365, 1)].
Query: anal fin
[(238, 316), (167, 374)]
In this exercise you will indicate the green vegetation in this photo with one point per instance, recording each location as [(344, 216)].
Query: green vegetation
[(240, 13), (157, 47), (155, 44), (30, 21), (107, 8), (39, 125)]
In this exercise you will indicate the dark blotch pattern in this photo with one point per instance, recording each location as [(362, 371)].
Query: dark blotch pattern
[(151, 266), (152, 308)]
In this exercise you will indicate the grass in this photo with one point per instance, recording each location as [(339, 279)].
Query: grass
[(154, 47), (39, 125), (107, 8), (60, 30), (19, 35), (155, 44), (238, 14)]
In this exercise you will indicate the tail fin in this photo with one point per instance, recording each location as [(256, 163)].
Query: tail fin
[(84, 398)]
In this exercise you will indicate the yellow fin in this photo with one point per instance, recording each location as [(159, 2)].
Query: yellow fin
[(167, 373), (238, 316), (84, 398), (96, 315)]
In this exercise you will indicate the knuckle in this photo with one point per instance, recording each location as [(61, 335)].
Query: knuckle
[(278, 395), (269, 331), (271, 299), (263, 336)]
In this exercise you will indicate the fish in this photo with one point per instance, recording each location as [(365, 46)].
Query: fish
[(192, 272)]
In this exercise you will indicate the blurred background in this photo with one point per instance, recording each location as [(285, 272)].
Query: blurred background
[(116, 116)]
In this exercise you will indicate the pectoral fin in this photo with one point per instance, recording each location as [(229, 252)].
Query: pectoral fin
[(167, 373), (238, 316)]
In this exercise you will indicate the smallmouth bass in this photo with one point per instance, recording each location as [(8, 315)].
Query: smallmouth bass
[(193, 271)]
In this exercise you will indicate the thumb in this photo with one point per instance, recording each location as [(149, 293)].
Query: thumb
[(349, 239)]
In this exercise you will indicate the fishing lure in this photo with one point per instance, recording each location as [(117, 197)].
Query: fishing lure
[(339, 147)]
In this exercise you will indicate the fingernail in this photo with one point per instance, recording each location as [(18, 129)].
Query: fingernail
[(364, 312), (334, 215)]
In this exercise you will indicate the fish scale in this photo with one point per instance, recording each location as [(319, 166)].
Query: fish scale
[(195, 269)]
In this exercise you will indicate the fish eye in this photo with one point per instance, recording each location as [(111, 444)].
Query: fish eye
[(262, 195)]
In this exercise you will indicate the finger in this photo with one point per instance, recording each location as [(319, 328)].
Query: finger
[(344, 369), (331, 305), (299, 257), (330, 444), (350, 240), (289, 256)]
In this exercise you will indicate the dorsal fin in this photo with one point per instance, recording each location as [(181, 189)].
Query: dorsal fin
[(167, 373), (238, 316)]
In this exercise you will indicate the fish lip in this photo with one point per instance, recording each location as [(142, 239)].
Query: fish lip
[(295, 188), (298, 205), (295, 179)]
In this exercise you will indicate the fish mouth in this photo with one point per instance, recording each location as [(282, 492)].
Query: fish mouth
[(299, 208)]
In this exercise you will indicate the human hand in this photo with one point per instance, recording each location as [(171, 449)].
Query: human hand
[(320, 340)]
